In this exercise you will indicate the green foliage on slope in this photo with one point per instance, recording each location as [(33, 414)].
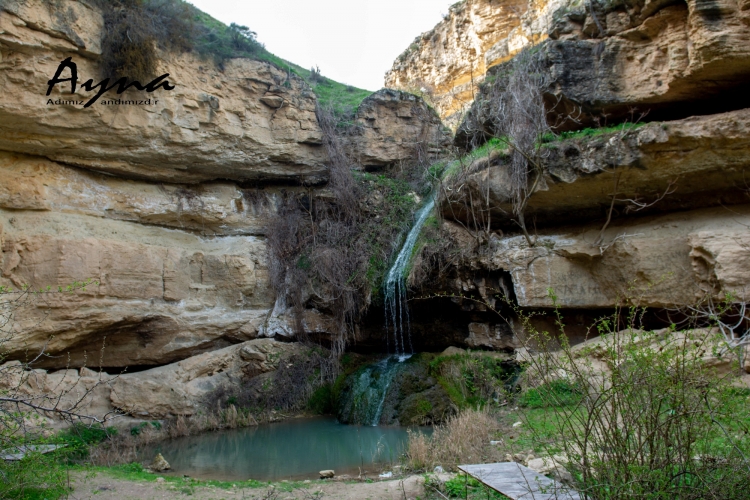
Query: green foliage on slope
[(134, 29)]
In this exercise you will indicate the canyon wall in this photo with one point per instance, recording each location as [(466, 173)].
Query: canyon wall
[(163, 204), (655, 213), (166, 205), (449, 62), (607, 60)]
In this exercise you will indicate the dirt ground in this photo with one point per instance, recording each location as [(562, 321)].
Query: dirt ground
[(101, 486)]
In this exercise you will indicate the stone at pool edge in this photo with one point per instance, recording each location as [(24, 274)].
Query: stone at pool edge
[(327, 474), (160, 464)]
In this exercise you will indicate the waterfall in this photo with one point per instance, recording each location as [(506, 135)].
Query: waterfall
[(394, 288), (364, 399)]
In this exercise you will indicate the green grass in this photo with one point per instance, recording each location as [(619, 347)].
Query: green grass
[(343, 99), (538, 431), (590, 132), (556, 393), (451, 168), (135, 472)]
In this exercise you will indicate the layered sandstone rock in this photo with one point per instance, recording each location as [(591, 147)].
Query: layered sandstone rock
[(663, 261), (451, 60), (696, 162), (175, 389), (251, 121), (159, 204), (218, 208), (391, 126), (162, 294), (671, 58), (647, 60), (657, 261)]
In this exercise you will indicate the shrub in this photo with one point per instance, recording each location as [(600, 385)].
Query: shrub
[(299, 382), (463, 438), (639, 414), (473, 380), (80, 436), (322, 401), (331, 252), (133, 29)]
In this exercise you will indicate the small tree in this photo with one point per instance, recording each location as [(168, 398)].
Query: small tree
[(25, 404), (730, 316), (512, 110)]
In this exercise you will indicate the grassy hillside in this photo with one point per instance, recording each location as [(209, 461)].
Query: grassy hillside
[(134, 27)]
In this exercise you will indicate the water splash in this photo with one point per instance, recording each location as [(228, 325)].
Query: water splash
[(396, 309), (364, 401)]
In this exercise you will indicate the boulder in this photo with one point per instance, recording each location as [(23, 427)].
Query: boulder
[(175, 389), (159, 464), (391, 126), (182, 388)]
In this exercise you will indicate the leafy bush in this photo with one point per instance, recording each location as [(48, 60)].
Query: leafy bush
[(644, 415), (301, 381), (322, 401), (80, 436), (37, 476)]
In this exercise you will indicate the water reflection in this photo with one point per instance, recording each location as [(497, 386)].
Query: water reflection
[(294, 449)]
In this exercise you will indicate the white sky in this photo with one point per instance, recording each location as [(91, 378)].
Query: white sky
[(352, 41)]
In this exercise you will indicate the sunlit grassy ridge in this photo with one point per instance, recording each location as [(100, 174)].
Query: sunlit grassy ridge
[(339, 96), (133, 28)]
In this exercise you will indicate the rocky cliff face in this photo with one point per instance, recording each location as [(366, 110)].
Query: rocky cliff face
[(451, 60), (656, 214), (249, 122), (671, 58), (391, 127), (699, 161), (165, 204)]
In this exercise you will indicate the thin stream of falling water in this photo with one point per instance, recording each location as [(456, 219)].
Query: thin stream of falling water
[(396, 309)]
